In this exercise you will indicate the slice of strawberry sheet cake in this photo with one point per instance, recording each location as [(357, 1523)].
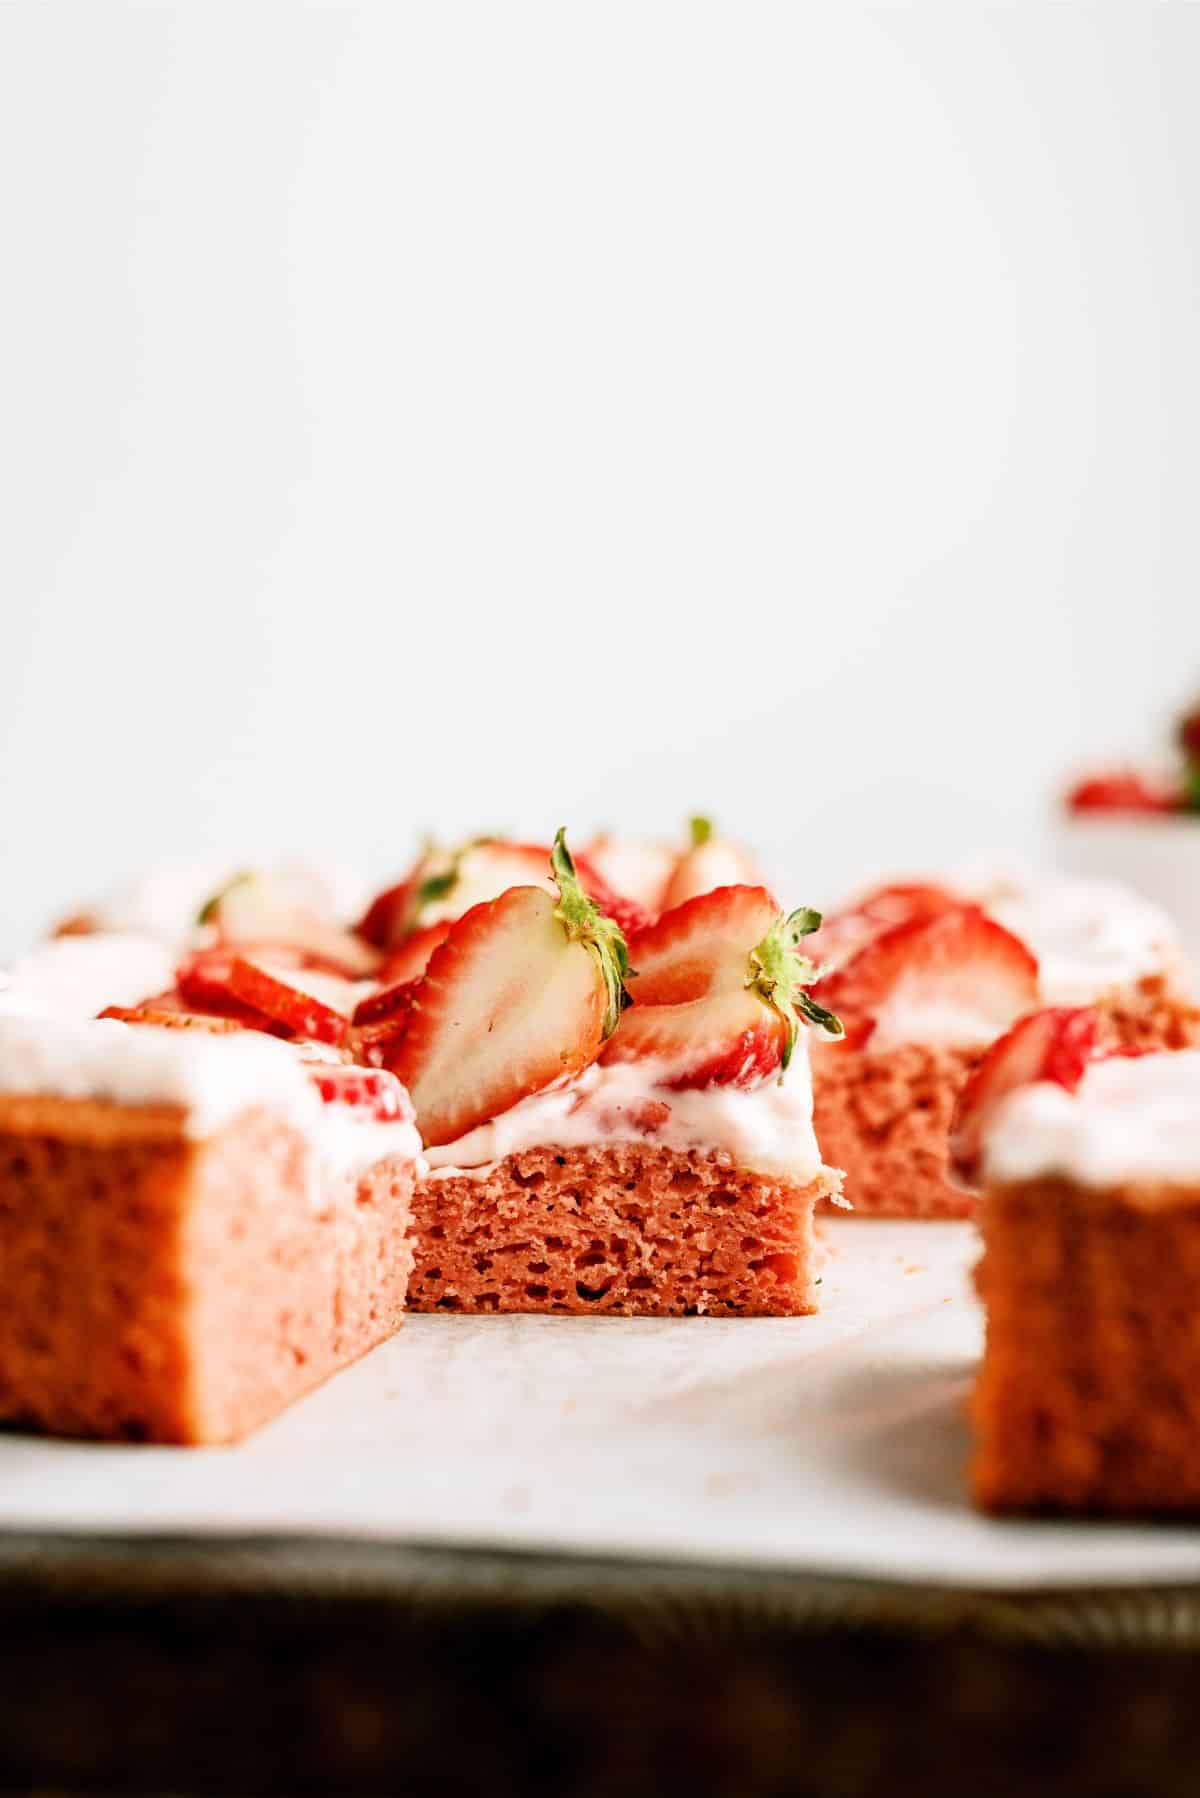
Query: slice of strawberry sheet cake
[(1088, 1161), (925, 977), (231, 1148), (608, 1127)]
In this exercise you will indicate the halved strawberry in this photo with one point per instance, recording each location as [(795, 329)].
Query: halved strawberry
[(1049, 1045), (444, 884), (709, 861), (166, 1018), (960, 960), (371, 1090), (522, 993), (880, 909), (287, 912), (411, 959), (300, 1012), (720, 991), (699, 945)]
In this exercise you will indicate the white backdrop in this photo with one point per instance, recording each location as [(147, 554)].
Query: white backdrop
[(483, 416)]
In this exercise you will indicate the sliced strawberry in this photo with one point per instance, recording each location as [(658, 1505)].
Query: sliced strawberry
[(286, 912), (1052, 1045), (411, 959), (389, 1001), (720, 993), (710, 861), (1123, 790), (299, 1011), (203, 982), (960, 960), (723, 1039), (166, 1018), (699, 945), (373, 1091), (386, 921), (374, 1045), (444, 885), (521, 994), (880, 909)]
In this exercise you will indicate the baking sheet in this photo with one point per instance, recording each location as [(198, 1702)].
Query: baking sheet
[(832, 1444)]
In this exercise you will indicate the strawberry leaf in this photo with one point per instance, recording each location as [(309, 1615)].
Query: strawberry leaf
[(779, 974), (209, 909), (585, 923)]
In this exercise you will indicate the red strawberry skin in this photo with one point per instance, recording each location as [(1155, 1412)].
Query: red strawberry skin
[(507, 1007), (845, 931), (411, 959), (1057, 1044), (298, 1011), (958, 956), (388, 1002), (1122, 790), (720, 1039), (165, 1017)]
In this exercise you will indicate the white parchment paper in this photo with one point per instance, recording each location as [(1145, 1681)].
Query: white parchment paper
[(831, 1444)]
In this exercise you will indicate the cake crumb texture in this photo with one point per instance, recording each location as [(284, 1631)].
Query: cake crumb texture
[(885, 1120), (163, 1290), (616, 1228), (1088, 1397)]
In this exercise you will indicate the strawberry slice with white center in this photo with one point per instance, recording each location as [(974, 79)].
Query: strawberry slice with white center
[(699, 945), (445, 884), (959, 965), (719, 992), (372, 1093), (1057, 1045), (522, 994), (710, 861)]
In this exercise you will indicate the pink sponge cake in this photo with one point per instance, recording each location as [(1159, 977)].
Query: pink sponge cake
[(591, 1154), (197, 1224), (1088, 1398), (924, 979)]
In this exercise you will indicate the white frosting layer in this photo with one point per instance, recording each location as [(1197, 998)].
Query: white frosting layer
[(768, 1128), (1089, 936), (910, 1016), (214, 1079), (1133, 1119), (165, 902), (77, 976)]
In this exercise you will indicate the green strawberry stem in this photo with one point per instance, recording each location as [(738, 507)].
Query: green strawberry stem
[(779, 975), (585, 923), (700, 830), (208, 910), (1191, 786)]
